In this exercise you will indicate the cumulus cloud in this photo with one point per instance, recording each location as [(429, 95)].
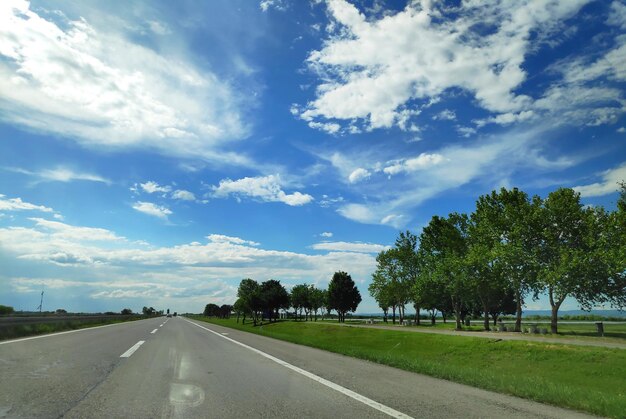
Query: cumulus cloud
[(375, 70), (266, 5), (183, 195), (220, 238), (617, 17), (420, 162), (350, 247), (329, 127), (358, 175), (103, 89), (187, 273), (445, 115), (327, 234), (152, 187), (64, 231), (152, 209), (16, 204), (265, 188), (611, 180)]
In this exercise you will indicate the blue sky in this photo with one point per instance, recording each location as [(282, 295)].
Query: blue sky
[(156, 153)]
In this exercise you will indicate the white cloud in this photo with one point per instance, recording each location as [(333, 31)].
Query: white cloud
[(357, 247), (188, 274), (329, 127), (64, 231), (220, 238), (375, 70), (445, 115), (359, 212), (279, 5), (482, 163), (159, 28), (327, 234), (609, 184), (328, 201), (421, 162), (152, 209), (183, 195), (104, 90), (16, 204), (466, 131), (61, 174), (617, 16), (266, 188), (358, 175), (152, 187), (589, 93)]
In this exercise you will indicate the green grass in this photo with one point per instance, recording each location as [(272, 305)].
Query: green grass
[(579, 377), (587, 331), (23, 330)]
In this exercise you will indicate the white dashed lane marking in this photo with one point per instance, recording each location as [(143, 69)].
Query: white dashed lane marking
[(132, 349)]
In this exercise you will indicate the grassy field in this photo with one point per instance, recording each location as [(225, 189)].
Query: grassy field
[(587, 331), (22, 330), (583, 378)]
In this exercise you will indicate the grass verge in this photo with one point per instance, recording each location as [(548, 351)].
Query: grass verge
[(15, 331), (613, 332), (585, 378)]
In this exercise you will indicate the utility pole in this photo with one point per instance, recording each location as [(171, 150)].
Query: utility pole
[(41, 302)]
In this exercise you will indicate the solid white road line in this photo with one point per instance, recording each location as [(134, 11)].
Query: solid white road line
[(132, 349), (154, 331), (356, 396), (63, 333)]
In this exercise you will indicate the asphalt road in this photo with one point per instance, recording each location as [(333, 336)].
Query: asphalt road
[(185, 369)]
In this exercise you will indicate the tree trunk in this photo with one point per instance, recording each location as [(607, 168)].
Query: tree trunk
[(417, 315), (393, 318), (553, 320), (555, 311), (518, 314), (457, 314), (486, 309)]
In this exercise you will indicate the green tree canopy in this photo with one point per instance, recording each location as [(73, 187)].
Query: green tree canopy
[(343, 295), (275, 297)]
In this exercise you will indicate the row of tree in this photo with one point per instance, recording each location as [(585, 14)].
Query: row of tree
[(509, 248), (265, 300), (222, 312), (150, 311)]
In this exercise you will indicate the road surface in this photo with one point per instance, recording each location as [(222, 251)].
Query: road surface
[(177, 368)]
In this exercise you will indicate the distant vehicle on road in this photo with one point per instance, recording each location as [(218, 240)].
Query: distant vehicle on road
[(169, 315), (175, 314)]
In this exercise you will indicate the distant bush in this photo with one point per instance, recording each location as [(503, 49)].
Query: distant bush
[(127, 311), (6, 309)]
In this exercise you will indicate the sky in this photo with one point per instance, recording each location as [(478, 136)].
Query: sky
[(155, 153)]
